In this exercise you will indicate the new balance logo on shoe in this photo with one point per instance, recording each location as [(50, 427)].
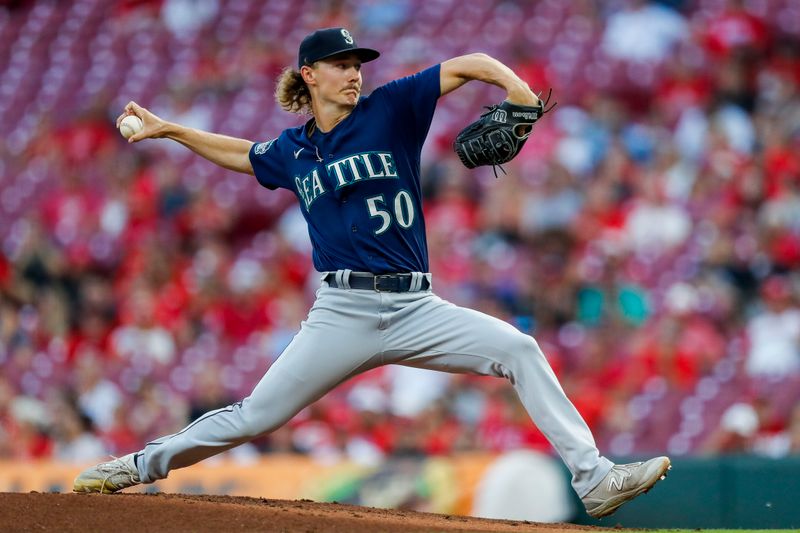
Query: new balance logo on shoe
[(616, 478), (622, 484)]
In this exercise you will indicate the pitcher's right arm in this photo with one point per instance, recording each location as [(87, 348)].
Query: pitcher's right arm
[(228, 152)]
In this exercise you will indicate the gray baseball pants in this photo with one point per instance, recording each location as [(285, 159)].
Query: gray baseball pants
[(351, 331)]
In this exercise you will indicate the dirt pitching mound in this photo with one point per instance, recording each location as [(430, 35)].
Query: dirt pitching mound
[(179, 512)]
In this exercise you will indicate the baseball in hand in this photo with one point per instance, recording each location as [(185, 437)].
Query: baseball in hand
[(130, 125)]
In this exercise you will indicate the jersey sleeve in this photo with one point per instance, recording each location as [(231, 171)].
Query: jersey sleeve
[(268, 162), (412, 101)]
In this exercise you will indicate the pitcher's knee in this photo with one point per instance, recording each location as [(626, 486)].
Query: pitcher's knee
[(524, 350), (524, 346)]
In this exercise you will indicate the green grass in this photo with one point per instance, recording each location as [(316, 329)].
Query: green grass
[(718, 530)]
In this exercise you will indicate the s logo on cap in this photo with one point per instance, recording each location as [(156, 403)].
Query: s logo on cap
[(347, 37)]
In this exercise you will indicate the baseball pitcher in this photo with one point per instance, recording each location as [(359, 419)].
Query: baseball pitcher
[(355, 169)]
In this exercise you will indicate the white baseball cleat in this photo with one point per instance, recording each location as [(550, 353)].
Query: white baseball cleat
[(108, 477), (622, 484)]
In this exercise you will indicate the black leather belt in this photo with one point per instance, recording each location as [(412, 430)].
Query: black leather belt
[(378, 282)]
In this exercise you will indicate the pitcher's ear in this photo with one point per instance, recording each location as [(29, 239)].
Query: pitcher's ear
[(307, 73)]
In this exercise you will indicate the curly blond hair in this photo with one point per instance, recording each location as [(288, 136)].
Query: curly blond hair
[(292, 93)]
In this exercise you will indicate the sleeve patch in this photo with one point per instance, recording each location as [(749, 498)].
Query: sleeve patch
[(261, 148)]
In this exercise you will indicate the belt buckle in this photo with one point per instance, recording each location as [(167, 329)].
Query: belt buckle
[(375, 281)]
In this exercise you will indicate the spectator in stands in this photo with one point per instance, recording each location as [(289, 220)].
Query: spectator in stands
[(97, 397), (208, 391), (774, 331), (119, 436), (554, 204), (655, 225), (27, 426), (689, 344), (138, 337), (184, 18), (734, 30), (736, 431), (75, 439), (751, 426), (156, 409), (643, 31)]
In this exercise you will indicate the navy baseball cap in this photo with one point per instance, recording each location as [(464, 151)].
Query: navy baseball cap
[(328, 42)]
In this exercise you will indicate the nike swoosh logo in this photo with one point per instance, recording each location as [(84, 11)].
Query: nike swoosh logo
[(297, 153)]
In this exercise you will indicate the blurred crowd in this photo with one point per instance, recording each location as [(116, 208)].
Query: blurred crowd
[(648, 236)]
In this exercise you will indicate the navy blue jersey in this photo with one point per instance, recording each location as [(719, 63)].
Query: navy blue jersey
[(362, 202)]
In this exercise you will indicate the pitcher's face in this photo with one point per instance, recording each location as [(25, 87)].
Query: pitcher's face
[(337, 79)]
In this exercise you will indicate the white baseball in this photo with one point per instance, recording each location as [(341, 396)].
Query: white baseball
[(130, 125)]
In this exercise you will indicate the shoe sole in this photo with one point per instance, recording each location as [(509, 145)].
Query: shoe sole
[(88, 489), (616, 502), (94, 486)]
